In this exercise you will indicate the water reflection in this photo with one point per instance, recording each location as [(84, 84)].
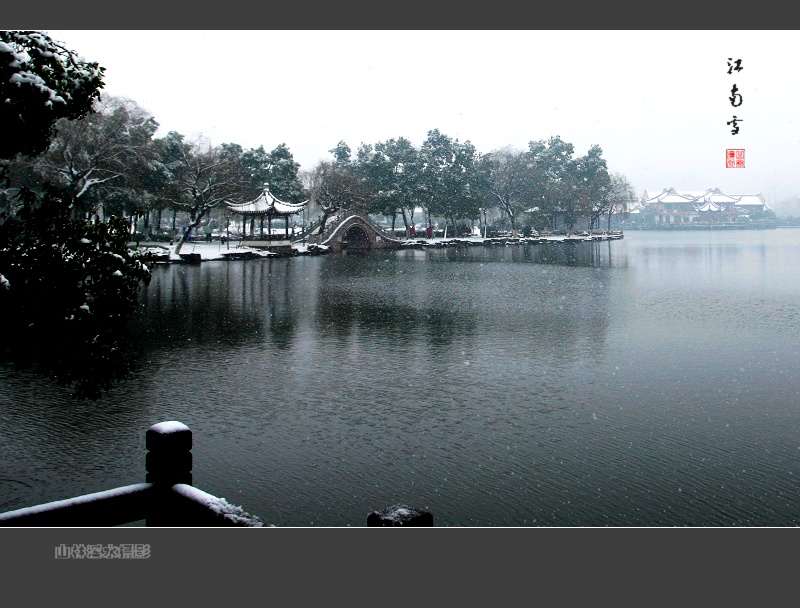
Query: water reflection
[(381, 294), (204, 306), (605, 254), (496, 386)]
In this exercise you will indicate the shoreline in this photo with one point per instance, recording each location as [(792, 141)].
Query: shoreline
[(195, 253)]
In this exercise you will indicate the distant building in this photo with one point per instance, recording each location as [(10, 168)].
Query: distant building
[(709, 206)]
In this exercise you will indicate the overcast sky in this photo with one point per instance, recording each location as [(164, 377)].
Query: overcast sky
[(656, 102)]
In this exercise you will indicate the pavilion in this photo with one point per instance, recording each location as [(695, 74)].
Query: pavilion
[(266, 206)]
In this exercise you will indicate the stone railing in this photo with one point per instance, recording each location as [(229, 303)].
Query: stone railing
[(168, 498)]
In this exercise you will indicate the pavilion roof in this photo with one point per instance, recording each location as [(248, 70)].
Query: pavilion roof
[(266, 204)]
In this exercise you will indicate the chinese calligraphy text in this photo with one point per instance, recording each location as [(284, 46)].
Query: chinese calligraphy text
[(736, 98)]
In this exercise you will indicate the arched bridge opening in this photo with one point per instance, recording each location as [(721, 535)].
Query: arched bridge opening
[(355, 239)]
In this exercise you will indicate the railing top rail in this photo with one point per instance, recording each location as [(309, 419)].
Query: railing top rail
[(106, 508), (211, 508)]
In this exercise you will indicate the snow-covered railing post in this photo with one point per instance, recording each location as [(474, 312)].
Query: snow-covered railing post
[(176, 502), (399, 515), (168, 462)]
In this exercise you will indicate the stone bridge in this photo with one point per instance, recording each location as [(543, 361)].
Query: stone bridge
[(354, 232)]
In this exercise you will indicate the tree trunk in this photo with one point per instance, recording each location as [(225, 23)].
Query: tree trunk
[(184, 237), (187, 232), (194, 222), (509, 212), (322, 220), (135, 231)]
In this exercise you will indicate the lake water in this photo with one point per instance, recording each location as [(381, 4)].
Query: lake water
[(642, 382)]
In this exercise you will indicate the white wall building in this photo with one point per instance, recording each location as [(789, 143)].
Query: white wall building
[(671, 206)]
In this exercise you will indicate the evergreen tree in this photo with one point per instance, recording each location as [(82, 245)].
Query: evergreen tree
[(68, 286), (592, 184), (282, 176), (450, 180), (102, 154), (552, 175), (41, 81), (341, 154)]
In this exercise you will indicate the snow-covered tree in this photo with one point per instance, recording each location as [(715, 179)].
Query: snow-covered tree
[(256, 162), (592, 184), (620, 194), (41, 81), (450, 184), (552, 177), (202, 177), (341, 154), (392, 169), (509, 181), (335, 187), (104, 152), (68, 286), (282, 175)]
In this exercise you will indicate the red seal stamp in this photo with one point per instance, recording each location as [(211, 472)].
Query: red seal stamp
[(734, 159)]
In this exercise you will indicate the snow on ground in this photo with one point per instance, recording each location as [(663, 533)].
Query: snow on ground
[(230, 250), (219, 251), (207, 251), (309, 247), (216, 251)]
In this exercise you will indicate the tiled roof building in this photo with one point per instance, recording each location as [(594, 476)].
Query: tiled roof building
[(692, 206)]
